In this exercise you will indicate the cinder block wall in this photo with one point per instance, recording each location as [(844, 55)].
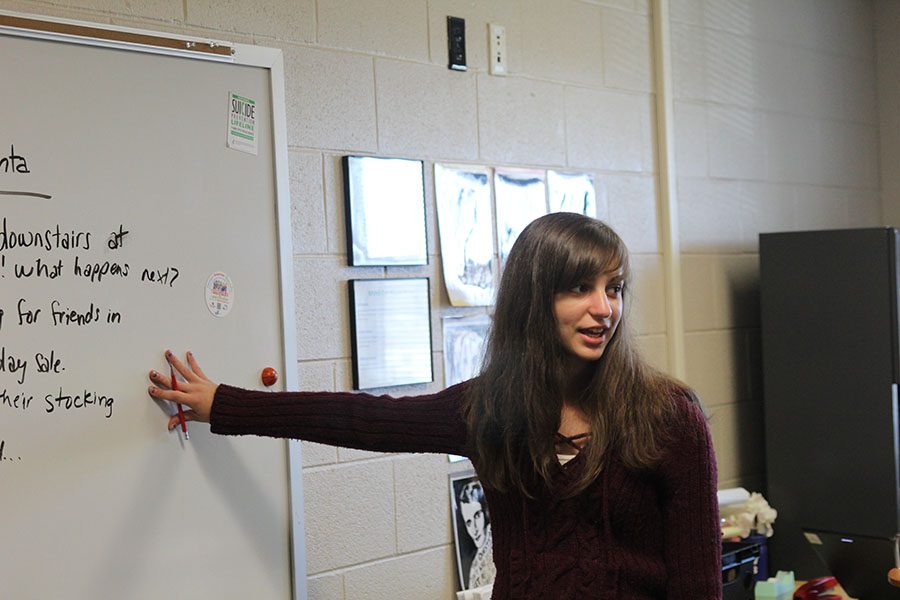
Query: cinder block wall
[(776, 128), (887, 63)]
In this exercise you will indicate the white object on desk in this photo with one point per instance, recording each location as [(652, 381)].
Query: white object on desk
[(481, 593), (732, 496)]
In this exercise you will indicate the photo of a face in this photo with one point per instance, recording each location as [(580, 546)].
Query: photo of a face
[(472, 532), (473, 514)]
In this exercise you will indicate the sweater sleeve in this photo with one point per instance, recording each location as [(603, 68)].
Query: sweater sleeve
[(693, 538), (428, 423)]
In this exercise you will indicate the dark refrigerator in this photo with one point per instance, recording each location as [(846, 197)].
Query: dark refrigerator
[(829, 310)]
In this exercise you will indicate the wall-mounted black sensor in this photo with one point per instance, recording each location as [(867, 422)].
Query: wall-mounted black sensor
[(456, 43)]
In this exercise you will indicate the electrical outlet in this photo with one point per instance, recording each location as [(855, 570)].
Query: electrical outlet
[(497, 45), (456, 43)]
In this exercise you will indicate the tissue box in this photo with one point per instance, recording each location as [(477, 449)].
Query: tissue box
[(739, 569)]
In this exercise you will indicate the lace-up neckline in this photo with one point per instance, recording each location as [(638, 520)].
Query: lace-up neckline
[(570, 441)]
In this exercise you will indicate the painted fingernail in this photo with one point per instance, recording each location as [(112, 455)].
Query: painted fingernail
[(152, 373), (168, 353), (151, 390)]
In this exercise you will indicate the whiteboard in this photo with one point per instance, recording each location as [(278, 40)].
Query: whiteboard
[(120, 200)]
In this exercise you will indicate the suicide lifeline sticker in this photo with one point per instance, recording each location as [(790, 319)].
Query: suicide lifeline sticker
[(242, 124), (219, 294)]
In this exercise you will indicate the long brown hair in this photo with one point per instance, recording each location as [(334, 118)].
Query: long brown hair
[(513, 407)]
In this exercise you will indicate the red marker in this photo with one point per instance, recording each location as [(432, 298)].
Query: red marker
[(180, 410)]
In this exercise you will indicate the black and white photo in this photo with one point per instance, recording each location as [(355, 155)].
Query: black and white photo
[(472, 532)]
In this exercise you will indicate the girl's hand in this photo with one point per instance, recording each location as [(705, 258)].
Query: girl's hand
[(195, 392)]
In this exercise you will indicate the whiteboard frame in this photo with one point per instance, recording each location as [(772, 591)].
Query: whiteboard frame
[(273, 60)]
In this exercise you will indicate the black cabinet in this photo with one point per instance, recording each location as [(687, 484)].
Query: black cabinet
[(830, 371)]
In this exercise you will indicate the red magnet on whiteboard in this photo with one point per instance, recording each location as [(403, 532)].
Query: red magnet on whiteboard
[(269, 376)]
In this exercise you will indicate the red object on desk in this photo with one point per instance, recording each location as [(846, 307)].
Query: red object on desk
[(818, 589)]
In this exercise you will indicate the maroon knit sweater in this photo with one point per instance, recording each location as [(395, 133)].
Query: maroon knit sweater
[(629, 535)]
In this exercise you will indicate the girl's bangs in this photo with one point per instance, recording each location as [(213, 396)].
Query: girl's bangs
[(586, 261)]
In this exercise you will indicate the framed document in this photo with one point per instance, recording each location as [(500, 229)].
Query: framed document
[(390, 332), (385, 207)]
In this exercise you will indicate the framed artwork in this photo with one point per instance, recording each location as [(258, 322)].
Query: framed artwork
[(385, 208), (390, 332), (463, 198), (572, 192), (464, 338), (471, 532), (520, 196)]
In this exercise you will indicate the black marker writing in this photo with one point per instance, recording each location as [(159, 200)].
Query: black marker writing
[(66, 315), (3, 456), (14, 162), (13, 365), (27, 316), (64, 401), (48, 364), (167, 276), (70, 316), (23, 193), (38, 269), (95, 272), (116, 238), (45, 239), (20, 401), (18, 367)]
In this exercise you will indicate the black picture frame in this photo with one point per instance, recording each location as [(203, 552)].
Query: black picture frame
[(391, 332), (384, 201)]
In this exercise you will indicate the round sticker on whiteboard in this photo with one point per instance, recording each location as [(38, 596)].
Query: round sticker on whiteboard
[(219, 294)]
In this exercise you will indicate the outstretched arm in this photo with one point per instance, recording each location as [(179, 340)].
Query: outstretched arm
[(196, 391), (382, 423)]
